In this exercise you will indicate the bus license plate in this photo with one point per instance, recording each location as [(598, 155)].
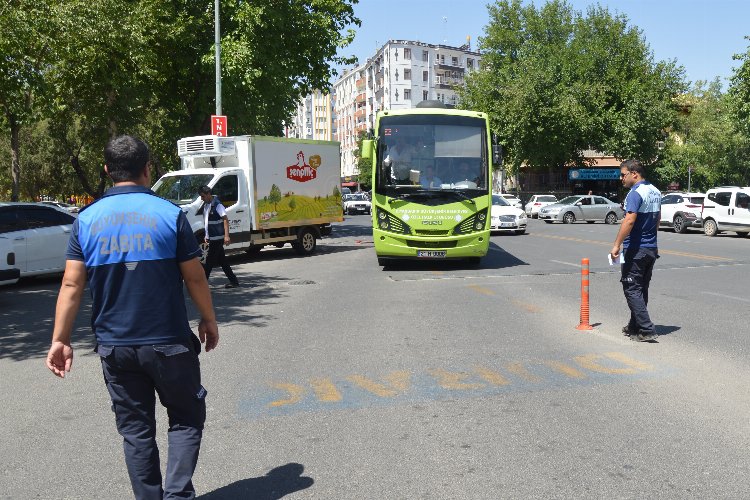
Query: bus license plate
[(431, 254)]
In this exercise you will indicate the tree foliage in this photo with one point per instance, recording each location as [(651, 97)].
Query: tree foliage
[(556, 82), (147, 68), (364, 166)]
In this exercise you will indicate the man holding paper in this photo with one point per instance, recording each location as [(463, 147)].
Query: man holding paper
[(637, 236)]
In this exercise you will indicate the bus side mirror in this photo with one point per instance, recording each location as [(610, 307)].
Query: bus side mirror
[(367, 146)]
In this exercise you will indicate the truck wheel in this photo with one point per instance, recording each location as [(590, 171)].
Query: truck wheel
[(710, 228), (253, 250), (306, 242)]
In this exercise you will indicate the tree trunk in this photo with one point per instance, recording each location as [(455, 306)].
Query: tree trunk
[(15, 155), (74, 162)]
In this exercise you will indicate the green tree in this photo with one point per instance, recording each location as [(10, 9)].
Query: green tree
[(739, 105), (556, 82), (292, 204), (364, 166), (275, 196), (27, 48)]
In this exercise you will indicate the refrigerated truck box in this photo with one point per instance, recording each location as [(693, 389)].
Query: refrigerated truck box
[(275, 190)]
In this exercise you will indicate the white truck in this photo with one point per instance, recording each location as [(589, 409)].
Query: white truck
[(275, 190)]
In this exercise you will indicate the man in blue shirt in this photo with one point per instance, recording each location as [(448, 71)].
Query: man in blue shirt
[(135, 250), (637, 235)]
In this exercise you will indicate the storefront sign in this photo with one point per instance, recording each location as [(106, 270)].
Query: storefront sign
[(594, 174)]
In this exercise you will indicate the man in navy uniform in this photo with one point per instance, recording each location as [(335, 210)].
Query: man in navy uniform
[(136, 249), (637, 235), (216, 227)]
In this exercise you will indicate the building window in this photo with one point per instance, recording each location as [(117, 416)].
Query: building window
[(407, 53), (407, 94), (425, 76), (425, 95), (470, 63), (425, 56), (442, 58), (407, 74), (455, 61)]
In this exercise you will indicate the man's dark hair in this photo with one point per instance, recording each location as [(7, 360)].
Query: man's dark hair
[(126, 157), (634, 166), (204, 190)]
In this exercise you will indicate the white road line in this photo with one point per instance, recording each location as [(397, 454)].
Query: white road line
[(566, 263), (726, 296)]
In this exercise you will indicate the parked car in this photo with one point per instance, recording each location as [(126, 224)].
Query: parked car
[(507, 218), (681, 211), (513, 200), (65, 206), (9, 273), (726, 209), (39, 234), (537, 202), (584, 208), (356, 203)]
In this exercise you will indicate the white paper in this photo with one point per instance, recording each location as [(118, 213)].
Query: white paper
[(621, 259)]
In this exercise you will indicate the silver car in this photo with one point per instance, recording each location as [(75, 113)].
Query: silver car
[(582, 207)]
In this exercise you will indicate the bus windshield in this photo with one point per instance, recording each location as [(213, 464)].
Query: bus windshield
[(432, 152)]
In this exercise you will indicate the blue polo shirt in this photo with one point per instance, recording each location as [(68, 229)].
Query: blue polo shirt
[(645, 201), (132, 242)]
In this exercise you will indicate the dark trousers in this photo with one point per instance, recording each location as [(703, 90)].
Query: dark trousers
[(133, 375), (216, 257), (636, 276)]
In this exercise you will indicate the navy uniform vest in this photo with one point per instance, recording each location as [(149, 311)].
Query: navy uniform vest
[(215, 227)]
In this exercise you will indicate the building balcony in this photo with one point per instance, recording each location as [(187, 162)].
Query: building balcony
[(449, 67), (361, 113), (360, 98), (360, 84)]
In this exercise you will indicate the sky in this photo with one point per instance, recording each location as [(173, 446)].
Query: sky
[(702, 35)]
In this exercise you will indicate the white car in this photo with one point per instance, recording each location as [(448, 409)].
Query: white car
[(39, 234), (726, 208), (537, 202), (512, 200), (9, 273), (506, 218), (681, 211), (356, 203)]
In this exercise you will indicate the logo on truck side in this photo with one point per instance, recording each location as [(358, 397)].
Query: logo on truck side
[(302, 172)]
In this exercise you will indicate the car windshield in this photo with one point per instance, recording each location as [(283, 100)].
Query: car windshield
[(509, 197), (181, 189), (356, 197), (547, 198), (499, 201), (569, 200)]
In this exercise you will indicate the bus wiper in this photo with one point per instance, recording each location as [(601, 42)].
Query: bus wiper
[(404, 196), (461, 195)]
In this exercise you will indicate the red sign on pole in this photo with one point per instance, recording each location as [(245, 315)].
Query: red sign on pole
[(219, 125)]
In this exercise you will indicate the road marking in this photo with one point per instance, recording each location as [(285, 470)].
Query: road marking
[(609, 244), (398, 381), (566, 263), (741, 299), (325, 392), (325, 389), (481, 289)]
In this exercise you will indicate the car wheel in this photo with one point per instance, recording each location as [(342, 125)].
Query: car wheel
[(520, 231), (611, 218), (548, 221), (742, 235), (569, 218), (306, 242), (678, 223), (710, 228)]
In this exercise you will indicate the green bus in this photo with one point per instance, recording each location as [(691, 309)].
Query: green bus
[(432, 183)]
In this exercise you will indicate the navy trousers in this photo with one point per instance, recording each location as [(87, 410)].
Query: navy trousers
[(134, 375), (636, 276), (216, 256)]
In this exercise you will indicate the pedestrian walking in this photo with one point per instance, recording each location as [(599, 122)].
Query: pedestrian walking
[(637, 235), (216, 227), (135, 250)]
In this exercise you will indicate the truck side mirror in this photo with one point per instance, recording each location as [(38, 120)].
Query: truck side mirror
[(367, 146)]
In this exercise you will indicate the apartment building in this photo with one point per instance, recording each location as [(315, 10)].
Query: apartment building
[(315, 118), (399, 75)]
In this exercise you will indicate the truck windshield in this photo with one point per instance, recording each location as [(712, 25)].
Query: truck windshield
[(432, 152), (181, 189)]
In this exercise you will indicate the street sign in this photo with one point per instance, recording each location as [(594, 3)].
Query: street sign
[(219, 125)]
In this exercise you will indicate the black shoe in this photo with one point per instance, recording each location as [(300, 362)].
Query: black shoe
[(627, 331), (644, 336)]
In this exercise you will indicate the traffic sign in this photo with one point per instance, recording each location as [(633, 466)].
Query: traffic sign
[(219, 125)]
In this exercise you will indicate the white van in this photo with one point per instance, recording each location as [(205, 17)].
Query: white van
[(9, 273), (726, 208)]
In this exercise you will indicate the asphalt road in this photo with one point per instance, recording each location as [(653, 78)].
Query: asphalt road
[(336, 378)]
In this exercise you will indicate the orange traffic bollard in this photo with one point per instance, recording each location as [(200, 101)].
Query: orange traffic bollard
[(584, 324)]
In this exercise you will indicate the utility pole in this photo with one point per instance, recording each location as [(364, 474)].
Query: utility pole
[(217, 44)]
